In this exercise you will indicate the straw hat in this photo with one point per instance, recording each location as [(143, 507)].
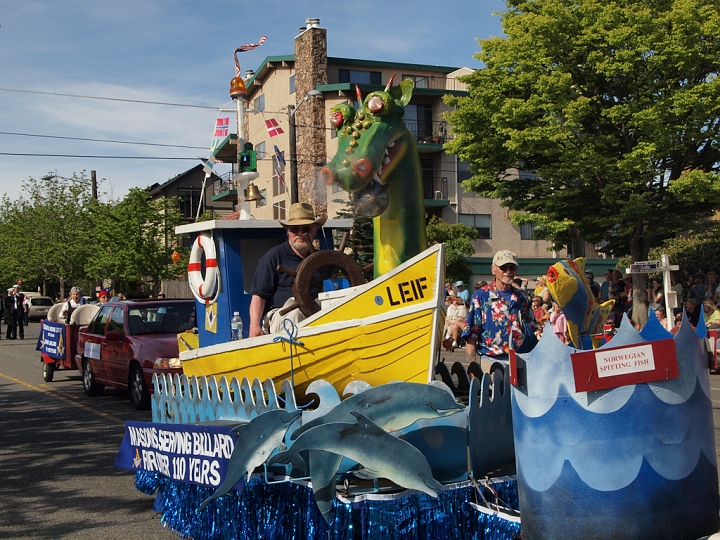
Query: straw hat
[(302, 214)]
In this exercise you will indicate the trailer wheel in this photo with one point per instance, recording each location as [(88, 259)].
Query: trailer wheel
[(48, 371)]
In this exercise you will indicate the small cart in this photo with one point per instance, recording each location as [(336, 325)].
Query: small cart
[(57, 340)]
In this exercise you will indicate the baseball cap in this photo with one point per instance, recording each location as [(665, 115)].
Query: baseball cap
[(505, 257), (589, 273), (460, 284)]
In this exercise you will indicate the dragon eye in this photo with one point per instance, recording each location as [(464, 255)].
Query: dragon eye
[(552, 274), (375, 104), (336, 119)]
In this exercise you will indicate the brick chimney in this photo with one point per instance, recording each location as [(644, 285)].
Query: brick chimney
[(311, 71)]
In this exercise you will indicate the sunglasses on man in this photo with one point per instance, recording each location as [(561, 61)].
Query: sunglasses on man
[(300, 230)]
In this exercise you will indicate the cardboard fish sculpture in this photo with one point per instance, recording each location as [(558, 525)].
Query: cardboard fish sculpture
[(569, 288)]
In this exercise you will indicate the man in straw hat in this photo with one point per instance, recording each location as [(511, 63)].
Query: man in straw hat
[(271, 290)]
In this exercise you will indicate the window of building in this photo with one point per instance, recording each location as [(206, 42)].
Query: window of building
[(278, 183), (263, 201), (292, 84), (189, 201), (419, 80), (526, 231), (355, 76), (575, 250), (279, 210), (464, 172), (259, 103), (482, 222), (418, 119), (260, 150)]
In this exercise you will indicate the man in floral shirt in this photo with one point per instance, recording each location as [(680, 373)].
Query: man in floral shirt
[(497, 308)]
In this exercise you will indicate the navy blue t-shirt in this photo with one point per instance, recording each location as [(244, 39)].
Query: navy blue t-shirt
[(273, 286)]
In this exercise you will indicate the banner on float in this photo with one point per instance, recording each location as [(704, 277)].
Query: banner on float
[(52, 340), (183, 452)]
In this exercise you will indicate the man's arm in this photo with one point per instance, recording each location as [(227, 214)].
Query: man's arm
[(257, 306)]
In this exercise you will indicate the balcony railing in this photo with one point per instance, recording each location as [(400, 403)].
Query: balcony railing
[(437, 189), (223, 184), (429, 132), (438, 83)]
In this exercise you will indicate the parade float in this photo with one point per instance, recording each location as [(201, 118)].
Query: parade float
[(337, 428)]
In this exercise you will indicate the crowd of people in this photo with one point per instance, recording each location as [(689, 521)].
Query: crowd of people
[(505, 313)]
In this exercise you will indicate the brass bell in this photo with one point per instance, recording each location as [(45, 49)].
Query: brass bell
[(252, 193)]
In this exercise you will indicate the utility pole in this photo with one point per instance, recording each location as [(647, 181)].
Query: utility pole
[(293, 156), (93, 185)]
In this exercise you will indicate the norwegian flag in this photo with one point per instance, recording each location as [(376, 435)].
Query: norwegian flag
[(273, 127), (222, 127)]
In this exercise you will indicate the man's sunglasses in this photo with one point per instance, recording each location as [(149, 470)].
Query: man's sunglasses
[(508, 267), (300, 230)]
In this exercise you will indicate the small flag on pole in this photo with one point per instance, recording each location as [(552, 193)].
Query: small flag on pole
[(251, 46), (280, 176), (208, 168), (222, 127), (279, 155), (273, 127)]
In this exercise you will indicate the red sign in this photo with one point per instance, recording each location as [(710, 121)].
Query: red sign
[(619, 366)]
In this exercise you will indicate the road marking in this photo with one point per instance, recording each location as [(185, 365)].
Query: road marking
[(62, 396)]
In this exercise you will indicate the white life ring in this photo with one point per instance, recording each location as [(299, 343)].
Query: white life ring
[(204, 289)]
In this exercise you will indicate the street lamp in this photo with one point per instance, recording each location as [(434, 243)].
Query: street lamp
[(93, 181), (294, 190)]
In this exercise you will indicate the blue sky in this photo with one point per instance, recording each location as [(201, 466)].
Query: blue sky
[(180, 52)]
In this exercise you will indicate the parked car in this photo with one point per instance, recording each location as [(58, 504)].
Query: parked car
[(39, 306), (129, 341)]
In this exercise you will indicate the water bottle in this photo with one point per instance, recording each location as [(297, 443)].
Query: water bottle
[(236, 326)]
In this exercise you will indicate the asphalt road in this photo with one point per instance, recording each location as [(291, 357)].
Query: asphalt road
[(57, 449)]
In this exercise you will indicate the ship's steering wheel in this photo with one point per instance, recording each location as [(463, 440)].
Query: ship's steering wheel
[(328, 263)]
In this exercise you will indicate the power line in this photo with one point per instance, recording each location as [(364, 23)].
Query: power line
[(109, 98), (100, 140), (96, 157)]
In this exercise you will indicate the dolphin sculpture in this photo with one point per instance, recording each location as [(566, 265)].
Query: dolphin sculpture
[(391, 406), (380, 454), (257, 439)]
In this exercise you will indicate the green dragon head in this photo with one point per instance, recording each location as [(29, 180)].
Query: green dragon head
[(372, 141)]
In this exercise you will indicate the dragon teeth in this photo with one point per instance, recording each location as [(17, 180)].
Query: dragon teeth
[(390, 145), (386, 160)]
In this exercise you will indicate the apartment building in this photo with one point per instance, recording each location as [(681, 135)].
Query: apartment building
[(298, 90)]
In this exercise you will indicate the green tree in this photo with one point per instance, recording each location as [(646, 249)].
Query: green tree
[(134, 241), (610, 108), (44, 233), (458, 240), (360, 238)]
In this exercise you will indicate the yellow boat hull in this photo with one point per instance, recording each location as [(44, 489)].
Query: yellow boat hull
[(386, 330)]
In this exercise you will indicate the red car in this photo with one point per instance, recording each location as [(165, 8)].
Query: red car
[(127, 342)]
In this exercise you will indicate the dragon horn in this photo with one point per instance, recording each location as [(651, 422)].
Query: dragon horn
[(389, 84), (358, 94)]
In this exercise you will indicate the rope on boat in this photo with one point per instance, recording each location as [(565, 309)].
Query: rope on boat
[(292, 331)]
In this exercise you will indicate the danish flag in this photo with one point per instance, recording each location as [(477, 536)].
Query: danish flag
[(273, 127)]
